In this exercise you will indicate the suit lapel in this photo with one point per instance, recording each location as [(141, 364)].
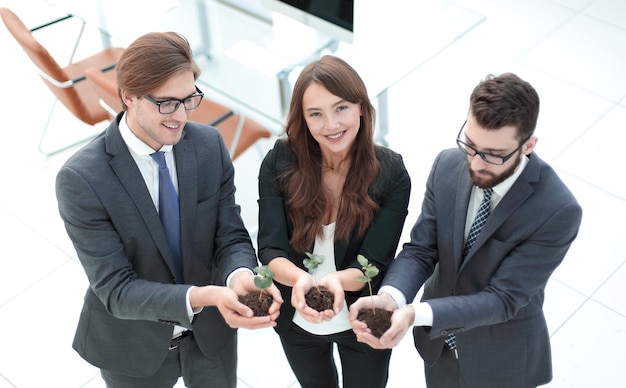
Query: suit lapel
[(517, 194), (124, 166), (187, 171), (461, 204)]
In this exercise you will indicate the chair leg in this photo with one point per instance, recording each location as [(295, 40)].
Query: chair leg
[(45, 131), (237, 135), (106, 107)]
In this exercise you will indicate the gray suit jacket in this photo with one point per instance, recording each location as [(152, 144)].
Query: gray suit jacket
[(133, 302), (493, 301)]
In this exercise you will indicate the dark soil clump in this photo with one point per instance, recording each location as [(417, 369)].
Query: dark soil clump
[(258, 301), (320, 298), (378, 322)]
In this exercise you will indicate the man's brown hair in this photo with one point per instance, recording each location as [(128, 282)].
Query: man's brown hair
[(151, 60)]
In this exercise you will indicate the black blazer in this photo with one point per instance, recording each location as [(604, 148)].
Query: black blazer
[(390, 190), (133, 302)]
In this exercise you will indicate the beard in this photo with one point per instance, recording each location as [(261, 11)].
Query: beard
[(493, 179)]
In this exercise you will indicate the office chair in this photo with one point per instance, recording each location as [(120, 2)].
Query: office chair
[(65, 82), (238, 131)]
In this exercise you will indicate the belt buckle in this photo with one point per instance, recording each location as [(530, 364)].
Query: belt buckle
[(178, 337)]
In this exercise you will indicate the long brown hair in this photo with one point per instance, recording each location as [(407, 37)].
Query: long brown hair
[(151, 60), (306, 202)]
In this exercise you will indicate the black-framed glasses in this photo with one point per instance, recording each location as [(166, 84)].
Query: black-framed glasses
[(172, 105), (487, 157)]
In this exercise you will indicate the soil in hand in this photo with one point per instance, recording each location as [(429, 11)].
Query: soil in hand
[(260, 304), (378, 322), (320, 298)]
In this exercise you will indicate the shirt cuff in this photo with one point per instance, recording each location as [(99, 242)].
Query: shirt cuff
[(423, 314), (396, 294), (230, 277), (191, 312)]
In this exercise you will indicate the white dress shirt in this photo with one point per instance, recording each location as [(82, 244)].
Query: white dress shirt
[(149, 169)]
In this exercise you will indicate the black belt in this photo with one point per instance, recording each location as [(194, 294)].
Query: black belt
[(176, 340)]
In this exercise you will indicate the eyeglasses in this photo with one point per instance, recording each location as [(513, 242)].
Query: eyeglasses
[(172, 105), (487, 157)]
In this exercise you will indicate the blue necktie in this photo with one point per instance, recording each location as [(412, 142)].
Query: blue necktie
[(169, 212), (477, 225)]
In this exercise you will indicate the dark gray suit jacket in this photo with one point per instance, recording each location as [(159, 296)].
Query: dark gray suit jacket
[(133, 302), (493, 301)]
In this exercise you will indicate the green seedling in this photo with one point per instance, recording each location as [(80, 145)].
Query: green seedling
[(263, 279), (369, 272), (312, 262)]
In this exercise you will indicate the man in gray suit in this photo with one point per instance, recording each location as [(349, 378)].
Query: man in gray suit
[(480, 322), (146, 321)]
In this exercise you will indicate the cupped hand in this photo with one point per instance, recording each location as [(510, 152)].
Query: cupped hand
[(401, 321), (333, 284), (304, 283), (237, 314)]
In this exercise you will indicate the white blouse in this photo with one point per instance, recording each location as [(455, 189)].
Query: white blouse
[(325, 246)]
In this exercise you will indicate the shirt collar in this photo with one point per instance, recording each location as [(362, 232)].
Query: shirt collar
[(135, 144), (503, 187)]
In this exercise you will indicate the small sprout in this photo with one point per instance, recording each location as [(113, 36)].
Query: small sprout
[(323, 298), (313, 260), (312, 263), (369, 272), (264, 277)]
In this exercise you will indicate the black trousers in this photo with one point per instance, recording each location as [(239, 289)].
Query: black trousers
[(311, 359), (186, 361)]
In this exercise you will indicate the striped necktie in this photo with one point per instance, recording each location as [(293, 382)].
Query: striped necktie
[(477, 225)]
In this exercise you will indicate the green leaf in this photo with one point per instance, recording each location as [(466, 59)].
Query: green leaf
[(371, 272), (264, 276), (313, 260), (262, 282), (362, 260), (363, 279), (264, 271)]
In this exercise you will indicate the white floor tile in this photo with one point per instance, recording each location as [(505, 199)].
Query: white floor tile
[(611, 293), (45, 316), (514, 35), (258, 351), (5, 383), (566, 111), (561, 303), (595, 156), (584, 52), (575, 5), (27, 258), (583, 351), (610, 11), (589, 263), (406, 365)]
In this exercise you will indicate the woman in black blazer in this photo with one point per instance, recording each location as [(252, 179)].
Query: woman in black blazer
[(329, 190)]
